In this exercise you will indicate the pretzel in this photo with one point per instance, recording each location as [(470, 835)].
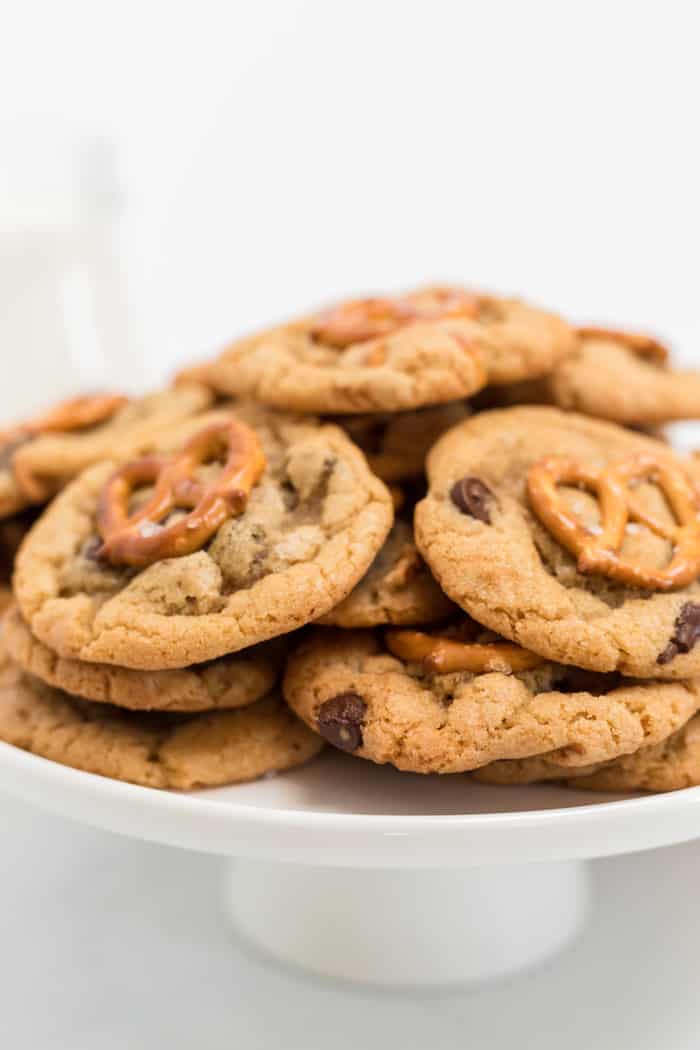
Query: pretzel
[(359, 320), (445, 655), (600, 553), (644, 345), (76, 414), (140, 539)]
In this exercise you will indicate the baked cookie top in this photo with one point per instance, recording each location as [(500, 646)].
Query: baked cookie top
[(425, 347), (435, 703), (668, 765), (231, 681), (514, 531), (397, 443), (116, 571), (620, 376), (148, 748), (39, 457), (397, 589)]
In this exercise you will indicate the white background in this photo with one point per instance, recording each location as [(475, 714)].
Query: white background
[(273, 155)]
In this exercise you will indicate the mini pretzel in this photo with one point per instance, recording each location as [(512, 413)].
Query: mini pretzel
[(140, 539), (644, 345), (445, 655), (359, 320), (76, 414), (600, 554)]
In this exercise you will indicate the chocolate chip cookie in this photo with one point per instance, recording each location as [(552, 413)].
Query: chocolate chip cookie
[(619, 376), (229, 682), (435, 703), (426, 347), (39, 457), (398, 588), (396, 443), (572, 537), (173, 560), (670, 764), (151, 748)]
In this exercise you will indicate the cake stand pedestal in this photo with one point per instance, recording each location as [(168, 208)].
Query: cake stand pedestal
[(357, 872)]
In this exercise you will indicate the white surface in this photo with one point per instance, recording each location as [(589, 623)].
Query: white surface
[(278, 153), (425, 929), (430, 840), (109, 943), (345, 812)]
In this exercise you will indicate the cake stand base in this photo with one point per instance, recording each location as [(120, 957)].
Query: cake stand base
[(407, 927)]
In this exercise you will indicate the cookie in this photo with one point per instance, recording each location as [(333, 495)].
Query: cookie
[(619, 376), (426, 347), (148, 748), (669, 765), (396, 443), (407, 698), (282, 535), (398, 589), (39, 457), (512, 530), (229, 682)]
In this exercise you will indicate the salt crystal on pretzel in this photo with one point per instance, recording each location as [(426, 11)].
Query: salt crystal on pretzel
[(598, 551)]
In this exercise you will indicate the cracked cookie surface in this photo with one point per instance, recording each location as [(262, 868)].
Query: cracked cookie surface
[(396, 443), (670, 764), (426, 360), (494, 558), (348, 687), (309, 532), (397, 589), (55, 459), (229, 682), (609, 379), (148, 748)]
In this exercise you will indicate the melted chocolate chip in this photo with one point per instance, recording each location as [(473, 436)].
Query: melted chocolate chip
[(92, 548), (472, 497), (289, 495), (685, 635), (340, 721)]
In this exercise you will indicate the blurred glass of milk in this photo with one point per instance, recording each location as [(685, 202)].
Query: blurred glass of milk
[(63, 326)]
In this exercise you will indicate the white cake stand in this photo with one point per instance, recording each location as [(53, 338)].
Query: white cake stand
[(357, 872)]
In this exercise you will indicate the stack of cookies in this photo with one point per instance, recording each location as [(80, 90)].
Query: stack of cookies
[(438, 530)]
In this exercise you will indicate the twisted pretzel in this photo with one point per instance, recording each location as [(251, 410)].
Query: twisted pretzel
[(359, 320), (78, 413), (644, 345), (140, 539), (600, 553), (445, 655)]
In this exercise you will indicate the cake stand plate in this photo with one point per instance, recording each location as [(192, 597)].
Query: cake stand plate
[(357, 872)]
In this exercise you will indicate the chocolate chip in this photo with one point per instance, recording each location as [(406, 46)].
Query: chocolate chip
[(472, 497), (329, 465), (340, 721), (686, 633), (289, 495), (92, 548)]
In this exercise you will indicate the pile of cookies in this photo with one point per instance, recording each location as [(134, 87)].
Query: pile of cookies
[(440, 530)]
